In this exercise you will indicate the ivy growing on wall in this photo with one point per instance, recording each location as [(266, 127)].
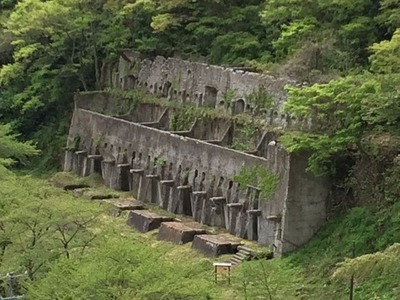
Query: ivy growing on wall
[(74, 146), (228, 97), (257, 176), (182, 119), (247, 134), (261, 99)]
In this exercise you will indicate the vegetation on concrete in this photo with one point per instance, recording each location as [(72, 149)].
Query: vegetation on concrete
[(48, 50), (258, 177)]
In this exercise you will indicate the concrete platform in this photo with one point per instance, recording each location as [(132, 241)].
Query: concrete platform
[(122, 205), (127, 204), (214, 245), (178, 233), (144, 220)]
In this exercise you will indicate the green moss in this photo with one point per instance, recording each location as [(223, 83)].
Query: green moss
[(259, 177)]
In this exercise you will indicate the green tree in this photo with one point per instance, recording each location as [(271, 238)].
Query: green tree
[(12, 150)]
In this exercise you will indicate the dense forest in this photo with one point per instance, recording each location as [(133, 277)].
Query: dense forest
[(346, 54), (48, 50)]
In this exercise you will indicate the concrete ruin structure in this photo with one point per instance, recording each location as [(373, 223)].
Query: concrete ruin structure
[(192, 172)]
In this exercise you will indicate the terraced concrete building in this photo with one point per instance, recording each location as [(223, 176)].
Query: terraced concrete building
[(192, 171)]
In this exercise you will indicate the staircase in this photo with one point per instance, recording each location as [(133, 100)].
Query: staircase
[(243, 254)]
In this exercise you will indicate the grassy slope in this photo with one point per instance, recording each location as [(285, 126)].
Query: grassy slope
[(156, 268), (120, 264), (308, 273)]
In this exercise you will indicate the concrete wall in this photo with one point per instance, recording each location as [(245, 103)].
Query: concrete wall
[(195, 177), (305, 213), (182, 172), (205, 85)]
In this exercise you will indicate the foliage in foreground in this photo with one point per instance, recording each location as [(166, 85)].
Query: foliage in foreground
[(322, 269), (12, 150), (73, 248)]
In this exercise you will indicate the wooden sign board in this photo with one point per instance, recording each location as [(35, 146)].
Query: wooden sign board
[(222, 268)]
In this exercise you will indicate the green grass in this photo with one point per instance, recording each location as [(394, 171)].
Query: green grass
[(121, 263), (309, 272)]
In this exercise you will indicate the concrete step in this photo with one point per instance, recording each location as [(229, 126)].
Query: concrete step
[(214, 245), (238, 257), (245, 253), (235, 261), (245, 249), (178, 233), (242, 255), (144, 220)]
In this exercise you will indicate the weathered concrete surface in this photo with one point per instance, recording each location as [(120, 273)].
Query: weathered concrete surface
[(178, 233), (93, 194), (144, 220), (127, 204), (214, 245), (304, 213), (185, 175), (193, 173), (199, 83)]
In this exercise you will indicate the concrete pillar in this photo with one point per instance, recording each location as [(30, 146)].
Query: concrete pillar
[(68, 161), (198, 198), (108, 172), (145, 187), (151, 188), (137, 178), (74, 163), (166, 186), (234, 210), (218, 211), (173, 203), (206, 212), (81, 163), (241, 225)]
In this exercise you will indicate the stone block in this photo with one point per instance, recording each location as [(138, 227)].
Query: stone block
[(178, 233), (214, 245), (128, 204), (144, 220)]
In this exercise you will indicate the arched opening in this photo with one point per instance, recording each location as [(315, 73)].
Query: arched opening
[(239, 106), (130, 82), (210, 96), (166, 88)]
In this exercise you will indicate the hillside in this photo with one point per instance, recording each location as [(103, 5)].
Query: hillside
[(108, 260), (344, 57)]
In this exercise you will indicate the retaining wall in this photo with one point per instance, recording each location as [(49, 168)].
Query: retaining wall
[(193, 177)]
